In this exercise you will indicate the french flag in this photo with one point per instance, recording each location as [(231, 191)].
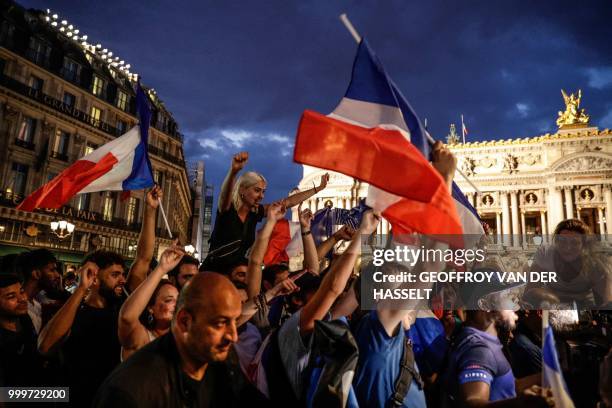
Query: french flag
[(120, 165), (552, 376), (375, 136), (285, 242)]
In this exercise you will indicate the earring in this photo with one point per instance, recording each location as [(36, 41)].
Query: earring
[(150, 319)]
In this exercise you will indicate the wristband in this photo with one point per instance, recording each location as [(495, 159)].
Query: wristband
[(304, 233)]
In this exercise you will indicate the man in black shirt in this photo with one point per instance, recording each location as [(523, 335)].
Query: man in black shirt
[(20, 363), (86, 326), (187, 367)]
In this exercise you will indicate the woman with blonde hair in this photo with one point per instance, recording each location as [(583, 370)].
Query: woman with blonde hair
[(583, 272), (239, 211)]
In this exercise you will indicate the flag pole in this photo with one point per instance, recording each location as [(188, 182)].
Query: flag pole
[(163, 213), (349, 26), (462, 129), (351, 29), (545, 324)]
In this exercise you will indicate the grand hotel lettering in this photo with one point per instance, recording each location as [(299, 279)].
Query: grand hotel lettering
[(69, 110)]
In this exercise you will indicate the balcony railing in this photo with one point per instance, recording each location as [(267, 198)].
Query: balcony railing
[(165, 155), (25, 144)]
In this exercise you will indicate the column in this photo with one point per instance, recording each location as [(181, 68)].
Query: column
[(470, 198), (555, 207), (523, 232), (608, 201), (498, 227), (544, 227), (506, 237), (516, 237), (602, 227), (569, 203)]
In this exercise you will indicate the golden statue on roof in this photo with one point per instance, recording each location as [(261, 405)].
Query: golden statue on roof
[(573, 115)]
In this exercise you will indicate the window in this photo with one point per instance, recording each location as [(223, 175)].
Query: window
[(20, 176), (132, 210), (158, 176), (89, 148), (69, 99), (39, 52), (108, 206), (97, 88), (71, 70), (121, 127), (60, 146), (82, 202), (95, 115), (6, 33), (27, 129), (36, 83), (122, 100)]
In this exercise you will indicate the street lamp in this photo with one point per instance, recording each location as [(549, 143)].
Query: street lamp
[(62, 228)]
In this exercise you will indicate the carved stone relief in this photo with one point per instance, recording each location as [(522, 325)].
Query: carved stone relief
[(586, 163)]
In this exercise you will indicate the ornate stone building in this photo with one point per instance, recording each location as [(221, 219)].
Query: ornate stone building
[(525, 185), (61, 97)]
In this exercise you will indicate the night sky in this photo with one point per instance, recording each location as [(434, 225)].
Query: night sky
[(237, 75)]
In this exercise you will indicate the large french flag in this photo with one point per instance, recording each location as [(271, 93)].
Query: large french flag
[(120, 165), (375, 136), (552, 376)]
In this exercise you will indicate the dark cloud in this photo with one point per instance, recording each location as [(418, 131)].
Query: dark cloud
[(255, 66)]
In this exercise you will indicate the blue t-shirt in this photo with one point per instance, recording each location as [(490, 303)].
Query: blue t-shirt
[(477, 357), (379, 365)]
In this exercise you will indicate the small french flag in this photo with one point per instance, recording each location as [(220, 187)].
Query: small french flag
[(552, 376)]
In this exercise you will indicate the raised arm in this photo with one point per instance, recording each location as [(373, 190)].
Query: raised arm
[(249, 308), (132, 334), (311, 260), (334, 282), (445, 162), (59, 326), (297, 198), (225, 198), (146, 240), (343, 234), (275, 212)]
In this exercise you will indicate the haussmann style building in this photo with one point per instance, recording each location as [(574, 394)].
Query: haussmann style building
[(62, 96)]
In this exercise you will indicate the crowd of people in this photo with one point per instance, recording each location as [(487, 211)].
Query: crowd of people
[(174, 332)]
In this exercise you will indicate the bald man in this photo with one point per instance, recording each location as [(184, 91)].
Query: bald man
[(189, 366)]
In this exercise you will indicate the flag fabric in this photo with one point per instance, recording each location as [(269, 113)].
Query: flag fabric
[(286, 238), (324, 220), (285, 242), (419, 137), (120, 165), (464, 130), (552, 376), (377, 129)]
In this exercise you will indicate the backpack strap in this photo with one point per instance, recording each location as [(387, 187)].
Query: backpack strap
[(408, 372)]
